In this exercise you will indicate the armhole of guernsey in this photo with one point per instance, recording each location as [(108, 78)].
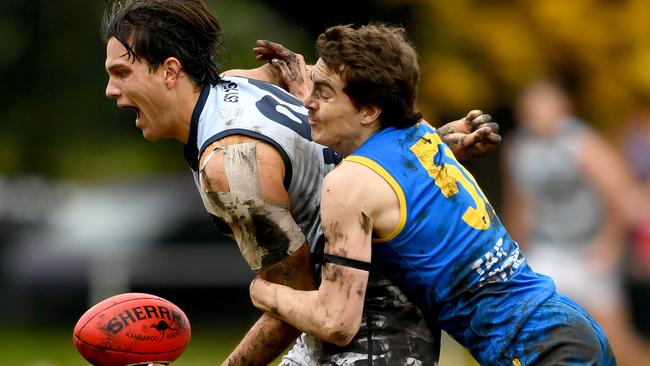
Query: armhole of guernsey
[(396, 187)]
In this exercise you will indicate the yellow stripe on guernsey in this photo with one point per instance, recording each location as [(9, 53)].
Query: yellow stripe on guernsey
[(448, 176), (396, 187), (516, 362)]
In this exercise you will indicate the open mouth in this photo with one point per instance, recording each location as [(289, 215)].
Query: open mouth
[(134, 109)]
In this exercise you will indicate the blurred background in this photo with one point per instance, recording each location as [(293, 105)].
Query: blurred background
[(89, 209)]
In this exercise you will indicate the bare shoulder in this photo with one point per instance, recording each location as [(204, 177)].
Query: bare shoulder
[(265, 152), (354, 193), (355, 184), (349, 178), (250, 160)]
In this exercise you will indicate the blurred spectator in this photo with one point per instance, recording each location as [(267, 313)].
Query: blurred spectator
[(568, 201), (636, 147)]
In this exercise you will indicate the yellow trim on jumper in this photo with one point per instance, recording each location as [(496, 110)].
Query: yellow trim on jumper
[(516, 362), (396, 187)]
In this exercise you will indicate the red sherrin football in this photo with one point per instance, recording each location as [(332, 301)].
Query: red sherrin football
[(132, 328)]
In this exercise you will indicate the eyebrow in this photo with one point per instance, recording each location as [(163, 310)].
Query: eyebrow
[(116, 68), (322, 83)]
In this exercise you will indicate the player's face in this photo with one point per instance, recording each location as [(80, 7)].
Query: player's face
[(334, 120), (542, 110), (135, 87)]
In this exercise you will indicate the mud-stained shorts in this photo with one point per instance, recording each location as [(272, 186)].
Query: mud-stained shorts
[(393, 332), (560, 333)]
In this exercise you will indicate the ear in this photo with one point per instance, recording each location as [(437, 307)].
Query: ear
[(171, 69), (370, 114)]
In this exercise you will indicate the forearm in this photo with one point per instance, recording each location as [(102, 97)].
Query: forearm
[(304, 310), (263, 343), (263, 73), (270, 336), (331, 313)]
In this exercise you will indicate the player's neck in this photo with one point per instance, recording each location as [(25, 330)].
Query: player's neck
[(348, 146), (188, 97)]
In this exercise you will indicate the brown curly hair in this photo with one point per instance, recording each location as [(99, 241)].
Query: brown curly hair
[(379, 66)]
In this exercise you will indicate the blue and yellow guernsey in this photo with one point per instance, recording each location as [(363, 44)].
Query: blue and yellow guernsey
[(449, 253)]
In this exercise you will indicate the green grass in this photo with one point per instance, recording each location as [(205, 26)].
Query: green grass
[(54, 347)]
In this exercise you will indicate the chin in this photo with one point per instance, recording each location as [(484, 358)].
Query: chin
[(317, 137), (149, 136)]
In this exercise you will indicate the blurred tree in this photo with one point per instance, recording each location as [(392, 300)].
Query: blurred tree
[(481, 52), (55, 120)]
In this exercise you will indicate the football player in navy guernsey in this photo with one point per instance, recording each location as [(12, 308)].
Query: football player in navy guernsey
[(401, 204), (248, 143)]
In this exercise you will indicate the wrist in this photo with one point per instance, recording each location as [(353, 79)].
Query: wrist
[(257, 289)]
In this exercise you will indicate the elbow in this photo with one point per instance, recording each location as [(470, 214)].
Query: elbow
[(340, 332)]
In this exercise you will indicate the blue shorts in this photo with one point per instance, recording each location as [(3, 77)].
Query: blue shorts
[(560, 332)]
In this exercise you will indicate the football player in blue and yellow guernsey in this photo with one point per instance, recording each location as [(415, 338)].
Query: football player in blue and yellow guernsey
[(400, 203)]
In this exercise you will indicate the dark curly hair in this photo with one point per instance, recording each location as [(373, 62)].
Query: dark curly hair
[(155, 30), (379, 67)]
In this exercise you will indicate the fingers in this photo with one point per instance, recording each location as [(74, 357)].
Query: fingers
[(294, 76), (493, 139), (473, 114), (476, 140), (482, 136), (480, 119), (281, 66), (492, 126), (481, 133), (263, 53), (277, 48), (485, 134), (474, 137), (480, 149), (268, 50)]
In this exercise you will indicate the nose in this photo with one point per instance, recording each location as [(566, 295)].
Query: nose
[(111, 90), (310, 103)]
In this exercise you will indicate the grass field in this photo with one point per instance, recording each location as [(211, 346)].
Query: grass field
[(53, 347)]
